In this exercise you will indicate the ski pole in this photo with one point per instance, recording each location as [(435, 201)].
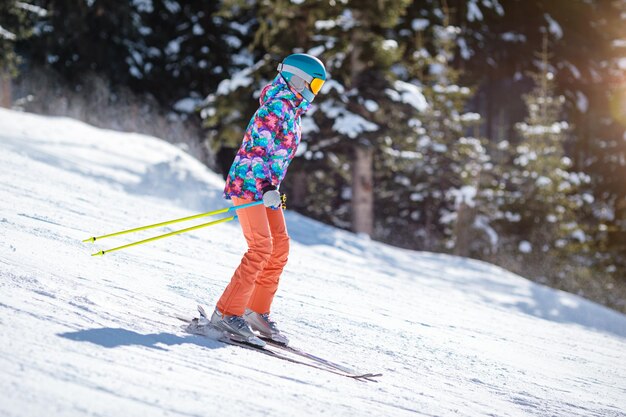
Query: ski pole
[(197, 216), (176, 232)]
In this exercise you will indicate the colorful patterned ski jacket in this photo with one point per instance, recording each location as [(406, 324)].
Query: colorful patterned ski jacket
[(269, 144)]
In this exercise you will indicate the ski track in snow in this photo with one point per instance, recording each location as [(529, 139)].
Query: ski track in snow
[(96, 336)]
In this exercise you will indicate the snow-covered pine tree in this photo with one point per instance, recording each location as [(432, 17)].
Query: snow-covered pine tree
[(357, 115), (260, 35), (17, 19), (359, 110), (86, 37), (185, 46), (444, 161), (170, 49), (544, 200)]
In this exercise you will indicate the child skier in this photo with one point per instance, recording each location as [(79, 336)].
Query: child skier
[(268, 147)]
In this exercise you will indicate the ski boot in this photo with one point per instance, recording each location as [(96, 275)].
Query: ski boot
[(236, 328), (265, 326)]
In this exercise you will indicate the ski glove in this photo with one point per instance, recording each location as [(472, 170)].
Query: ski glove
[(271, 197)]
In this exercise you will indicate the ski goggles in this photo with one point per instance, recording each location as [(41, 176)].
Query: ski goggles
[(299, 83)]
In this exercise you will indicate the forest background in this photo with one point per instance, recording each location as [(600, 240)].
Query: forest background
[(492, 129)]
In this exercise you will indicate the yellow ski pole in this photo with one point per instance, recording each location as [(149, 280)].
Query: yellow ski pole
[(196, 216), (177, 232)]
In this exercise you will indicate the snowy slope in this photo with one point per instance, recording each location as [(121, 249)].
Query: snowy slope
[(86, 335)]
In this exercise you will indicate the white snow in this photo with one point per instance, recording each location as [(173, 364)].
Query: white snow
[(574, 70), (234, 42), (579, 235), (393, 94), (554, 26), (451, 89), (352, 125), (464, 49), (135, 72), (346, 122), (39, 11), (554, 129), (582, 102), (503, 145), (473, 11), (242, 78), (197, 29), (513, 37), (543, 182), (173, 46), (95, 336), (512, 217), (494, 4), (317, 50), (470, 117), (410, 94), (371, 106), (464, 195), (7, 34), (331, 108), (525, 247), (347, 21), (173, 6), (389, 44), (325, 24), (309, 126), (482, 223), (333, 84), (419, 25), (187, 105), (145, 6)]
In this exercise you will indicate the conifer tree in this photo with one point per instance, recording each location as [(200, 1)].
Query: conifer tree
[(441, 167), (349, 118), (360, 110), (17, 19), (79, 38), (544, 199), (185, 46), (170, 49)]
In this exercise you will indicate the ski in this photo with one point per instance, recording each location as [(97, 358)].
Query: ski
[(321, 361), (280, 355), (305, 354), (297, 351)]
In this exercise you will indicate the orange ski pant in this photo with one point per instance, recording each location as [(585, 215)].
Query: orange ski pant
[(255, 281)]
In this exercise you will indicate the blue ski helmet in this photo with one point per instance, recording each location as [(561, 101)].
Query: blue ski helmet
[(304, 73)]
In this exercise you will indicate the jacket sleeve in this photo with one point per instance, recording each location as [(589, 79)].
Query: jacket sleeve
[(272, 143)]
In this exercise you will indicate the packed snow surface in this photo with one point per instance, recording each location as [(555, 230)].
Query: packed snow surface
[(96, 336)]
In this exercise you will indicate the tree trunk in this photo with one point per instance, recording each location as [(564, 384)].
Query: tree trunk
[(6, 95), (490, 97), (362, 191), (362, 167), (297, 199), (463, 230)]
